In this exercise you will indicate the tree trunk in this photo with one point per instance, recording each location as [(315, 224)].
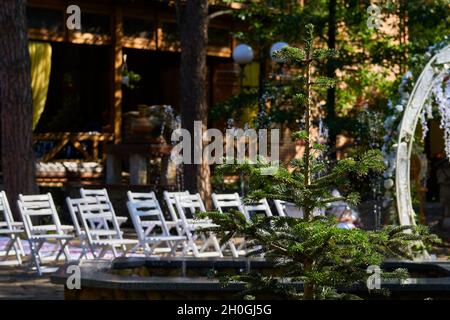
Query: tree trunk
[(193, 25), (331, 70), (16, 105)]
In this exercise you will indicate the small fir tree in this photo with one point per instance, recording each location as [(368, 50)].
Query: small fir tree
[(312, 249)]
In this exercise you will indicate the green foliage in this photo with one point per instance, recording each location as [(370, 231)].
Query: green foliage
[(312, 250), (133, 78), (290, 54), (268, 20), (339, 257), (368, 58), (234, 106)]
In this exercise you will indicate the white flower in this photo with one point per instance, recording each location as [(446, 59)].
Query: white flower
[(399, 108)]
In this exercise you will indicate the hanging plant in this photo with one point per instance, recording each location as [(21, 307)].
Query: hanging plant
[(130, 79)]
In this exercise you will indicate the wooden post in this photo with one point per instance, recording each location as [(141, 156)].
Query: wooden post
[(117, 64), (138, 169), (113, 168), (113, 161)]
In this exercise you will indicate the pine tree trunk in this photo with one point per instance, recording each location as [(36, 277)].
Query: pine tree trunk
[(16, 105), (193, 23), (331, 70), (308, 292)]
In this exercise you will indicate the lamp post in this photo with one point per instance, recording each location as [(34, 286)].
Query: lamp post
[(242, 55)]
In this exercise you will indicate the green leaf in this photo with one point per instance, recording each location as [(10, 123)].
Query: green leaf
[(324, 82), (290, 54), (300, 135)]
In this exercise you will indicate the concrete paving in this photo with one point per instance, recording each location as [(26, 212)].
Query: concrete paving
[(16, 283)]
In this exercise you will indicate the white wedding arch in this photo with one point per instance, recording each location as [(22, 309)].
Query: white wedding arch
[(431, 74)]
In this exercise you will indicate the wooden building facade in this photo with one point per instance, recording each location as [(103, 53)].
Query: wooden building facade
[(86, 96)]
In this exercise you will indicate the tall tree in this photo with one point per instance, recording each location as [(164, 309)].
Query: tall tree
[(16, 105), (193, 25), (331, 71)]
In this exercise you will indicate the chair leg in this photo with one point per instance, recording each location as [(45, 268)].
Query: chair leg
[(17, 251), (232, 247), (173, 247), (191, 245), (194, 249), (93, 251), (35, 258), (64, 249), (8, 247), (206, 241), (125, 251), (185, 248), (67, 250), (103, 251), (82, 254), (19, 241), (114, 251), (216, 245)]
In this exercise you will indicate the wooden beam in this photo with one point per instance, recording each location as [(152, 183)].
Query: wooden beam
[(117, 68)]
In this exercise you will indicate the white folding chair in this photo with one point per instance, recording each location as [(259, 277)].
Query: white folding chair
[(287, 209), (11, 230), (191, 227), (103, 197), (144, 196), (46, 229), (169, 198), (145, 215), (225, 202), (280, 205), (261, 207), (72, 205), (102, 229)]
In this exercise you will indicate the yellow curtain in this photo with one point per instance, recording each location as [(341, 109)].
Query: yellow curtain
[(251, 75), (41, 61)]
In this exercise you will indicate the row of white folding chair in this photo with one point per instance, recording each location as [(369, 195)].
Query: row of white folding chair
[(11, 230), (182, 207), (38, 232), (223, 202), (187, 229), (34, 209), (146, 214)]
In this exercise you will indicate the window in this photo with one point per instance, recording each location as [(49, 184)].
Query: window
[(39, 18), (218, 37), (97, 24), (171, 35), (138, 28)]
